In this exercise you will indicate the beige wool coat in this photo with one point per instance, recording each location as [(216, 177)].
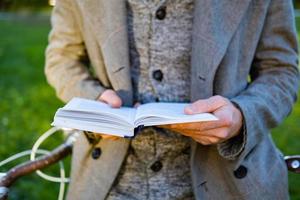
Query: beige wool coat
[(232, 40)]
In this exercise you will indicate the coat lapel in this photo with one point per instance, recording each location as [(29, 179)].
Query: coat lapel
[(107, 19), (215, 23)]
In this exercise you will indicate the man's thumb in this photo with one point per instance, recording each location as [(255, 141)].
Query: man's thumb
[(110, 97)]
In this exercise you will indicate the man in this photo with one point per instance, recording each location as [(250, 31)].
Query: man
[(195, 51)]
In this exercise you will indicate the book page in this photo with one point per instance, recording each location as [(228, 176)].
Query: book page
[(84, 105), (161, 109), (167, 113), (102, 128)]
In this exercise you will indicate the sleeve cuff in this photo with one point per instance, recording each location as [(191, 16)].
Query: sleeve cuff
[(232, 148)]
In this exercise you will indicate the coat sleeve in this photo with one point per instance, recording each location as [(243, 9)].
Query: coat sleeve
[(270, 96), (64, 68)]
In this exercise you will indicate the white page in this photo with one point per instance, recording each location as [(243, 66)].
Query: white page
[(167, 113), (86, 116), (161, 109), (78, 104), (93, 127)]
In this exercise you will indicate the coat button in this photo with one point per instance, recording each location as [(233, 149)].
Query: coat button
[(96, 153), (161, 13), (156, 166), (157, 75), (240, 172)]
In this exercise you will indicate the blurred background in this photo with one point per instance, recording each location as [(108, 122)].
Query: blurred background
[(27, 103)]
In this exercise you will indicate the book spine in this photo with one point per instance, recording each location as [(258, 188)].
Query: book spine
[(136, 131)]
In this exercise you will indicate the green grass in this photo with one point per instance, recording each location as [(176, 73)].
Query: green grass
[(27, 102), (27, 105)]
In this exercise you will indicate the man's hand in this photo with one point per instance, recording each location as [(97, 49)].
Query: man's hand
[(212, 132), (111, 98)]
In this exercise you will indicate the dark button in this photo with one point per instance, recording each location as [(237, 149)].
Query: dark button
[(156, 166), (241, 172), (157, 75), (156, 99), (161, 13), (96, 153)]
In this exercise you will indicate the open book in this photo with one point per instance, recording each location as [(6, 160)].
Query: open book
[(95, 116)]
